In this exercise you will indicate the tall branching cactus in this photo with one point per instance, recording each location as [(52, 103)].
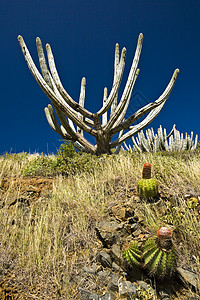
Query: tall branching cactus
[(75, 119), (174, 141)]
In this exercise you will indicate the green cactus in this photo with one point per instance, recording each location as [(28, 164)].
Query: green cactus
[(147, 187), (159, 254), (132, 254)]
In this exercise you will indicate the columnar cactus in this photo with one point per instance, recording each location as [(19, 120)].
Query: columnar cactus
[(159, 254), (75, 119), (174, 141), (147, 186)]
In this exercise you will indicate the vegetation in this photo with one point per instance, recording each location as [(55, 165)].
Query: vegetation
[(44, 243)]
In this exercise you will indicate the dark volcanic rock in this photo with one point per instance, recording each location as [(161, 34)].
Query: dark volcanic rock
[(113, 284), (127, 290), (104, 259), (189, 278), (108, 232)]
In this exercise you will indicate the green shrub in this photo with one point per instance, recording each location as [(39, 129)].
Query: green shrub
[(66, 162)]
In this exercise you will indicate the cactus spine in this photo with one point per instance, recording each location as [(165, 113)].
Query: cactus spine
[(159, 255), (132, 254), (147, 186)]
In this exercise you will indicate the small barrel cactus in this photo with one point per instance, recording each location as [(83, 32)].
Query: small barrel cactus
[(159, 254), (132, 254), (147, 187)]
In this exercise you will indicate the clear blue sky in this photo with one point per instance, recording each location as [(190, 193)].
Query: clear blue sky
[(83, 36)]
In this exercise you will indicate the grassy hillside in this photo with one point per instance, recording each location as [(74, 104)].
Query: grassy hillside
[(49, 207)]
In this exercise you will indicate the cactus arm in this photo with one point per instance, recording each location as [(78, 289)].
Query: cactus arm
[(154, 108), (59, 101), (60, 87), (172, 131), (121, 117), (136, 145), (73, 117), (160, 138), (69, 127), (74, 107), (42, 61), (128, 88), (104, 116), (53, 122), (116, 84), (81, 102), (116, 65), (196, 142), (45, 71), (66, 130), (171, 143), (143, 141), (127, 148)]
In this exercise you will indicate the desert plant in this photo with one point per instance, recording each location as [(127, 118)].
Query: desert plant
[(147, 187), (159, 254), (96, 124), (132, 254), (174, 141), (66, 162)]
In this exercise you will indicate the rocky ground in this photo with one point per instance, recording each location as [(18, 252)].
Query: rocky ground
[(105, 276)]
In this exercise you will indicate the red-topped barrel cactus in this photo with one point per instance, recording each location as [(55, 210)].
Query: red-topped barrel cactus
[(159, 254), (132, 254), (147, 187)]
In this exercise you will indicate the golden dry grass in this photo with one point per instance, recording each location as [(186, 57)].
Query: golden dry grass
[(46, 243)]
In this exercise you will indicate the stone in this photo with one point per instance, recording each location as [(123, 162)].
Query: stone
[(137, 232), (116, 254), (113, 283), (108, 296), (104, 277), (87, 295), (189, 278), (116, 267), (104, 259), (132, 220), (91, 269), (127, 290), (108, 232), (129, 212), (119, 212), (134, 227)]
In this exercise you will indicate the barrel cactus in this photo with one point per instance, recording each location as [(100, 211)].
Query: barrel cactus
[(147, 187), (159, 254), (132, 254)]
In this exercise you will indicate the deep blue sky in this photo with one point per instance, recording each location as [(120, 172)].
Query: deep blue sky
[(83, 36)]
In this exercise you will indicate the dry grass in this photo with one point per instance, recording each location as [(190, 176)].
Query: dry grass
[(46, 243)]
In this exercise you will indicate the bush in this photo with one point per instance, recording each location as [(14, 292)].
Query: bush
[(66, 162)]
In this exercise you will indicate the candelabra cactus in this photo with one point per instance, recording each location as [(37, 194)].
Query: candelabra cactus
[(174, 141), (159, 254), (132, 254), (76, 120), (147, 186)]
